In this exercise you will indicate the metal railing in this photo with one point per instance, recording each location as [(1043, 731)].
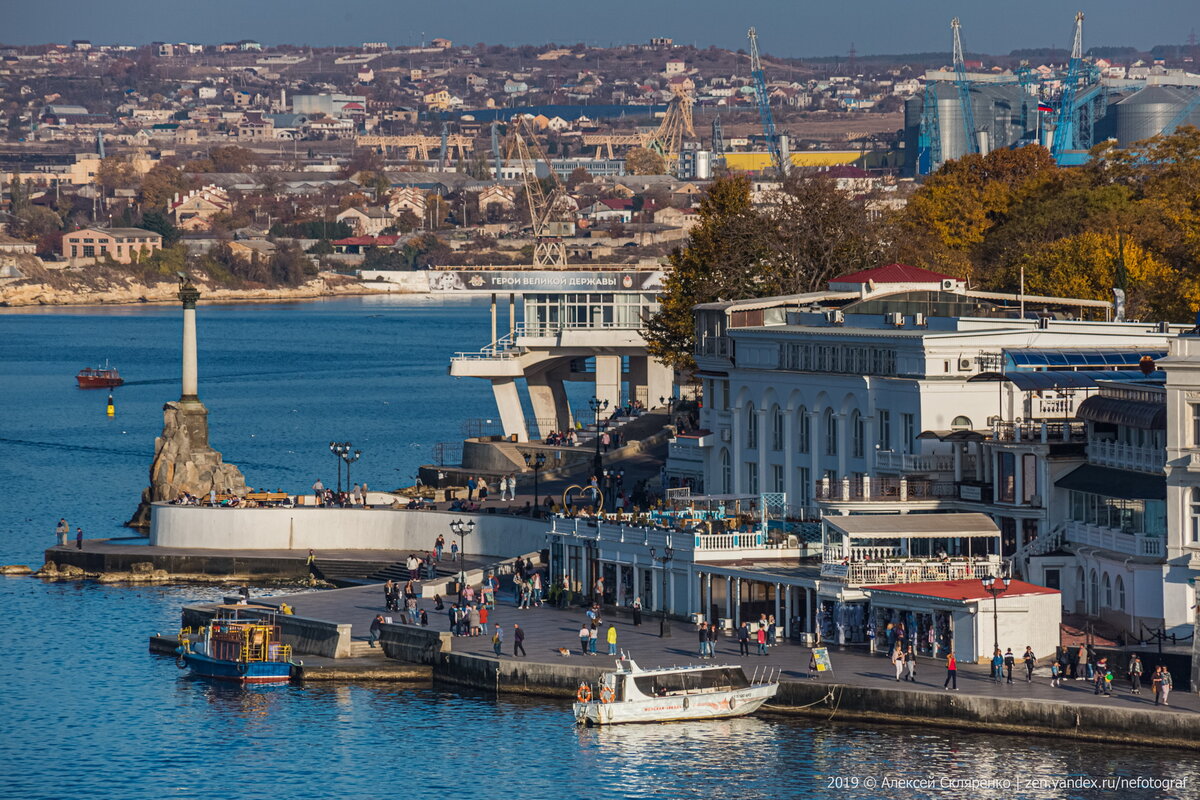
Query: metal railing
[(922, 462), (1126, 456), (1133, 544), (915, 570)]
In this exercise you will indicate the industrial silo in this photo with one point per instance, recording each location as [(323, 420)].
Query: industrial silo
[(1145, 113)]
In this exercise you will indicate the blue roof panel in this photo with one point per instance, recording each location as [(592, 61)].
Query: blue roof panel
[(1041, 358)]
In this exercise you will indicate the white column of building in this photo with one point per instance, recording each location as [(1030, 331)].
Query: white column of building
[(660, 382), (789, 455), (608, 380), (778, 603), (728, 597), (493, 306), (788, 605), (508, 401), (708, 597), (764, 434), (737, 422), (737, 602), (843, 440), (814, 446), (512, 313)]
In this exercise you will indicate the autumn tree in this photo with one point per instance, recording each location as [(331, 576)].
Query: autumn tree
[(231, 158), (116, 172), (814, 232), (721, 260), (578, 176), (161, 184), (642, 161)]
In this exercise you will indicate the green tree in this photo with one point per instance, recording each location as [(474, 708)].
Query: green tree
[(641, 161), (159, 222), (722, 259)]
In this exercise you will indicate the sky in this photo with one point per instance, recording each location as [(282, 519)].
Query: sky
[(798, 28)]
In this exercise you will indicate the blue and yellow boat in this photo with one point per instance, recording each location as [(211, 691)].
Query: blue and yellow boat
[(241, 644)]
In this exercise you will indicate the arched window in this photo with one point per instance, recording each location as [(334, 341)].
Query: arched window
[(858, 433), (751, 427), (1108, 598), (1093, 593), (804, 435), (1120, 593), (961, 424), (831, 432), (726, 473), (776, 428)]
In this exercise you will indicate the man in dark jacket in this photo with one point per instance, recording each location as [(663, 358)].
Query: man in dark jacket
[(518, 641), (743, 639)]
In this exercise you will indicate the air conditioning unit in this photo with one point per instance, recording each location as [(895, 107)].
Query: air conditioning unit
[(835, 316), (948, 284), (894, 318), (964, 363), (919, 320), (726, 435)]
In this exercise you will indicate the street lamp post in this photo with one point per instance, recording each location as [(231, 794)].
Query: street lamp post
[(669, 402), (350, 458), (989, 585), (339, 450), (597, 405), (664, 626), (535, 462), (462, 530)]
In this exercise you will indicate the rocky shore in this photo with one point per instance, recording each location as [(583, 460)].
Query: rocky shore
[(144, 572), (133, 292)]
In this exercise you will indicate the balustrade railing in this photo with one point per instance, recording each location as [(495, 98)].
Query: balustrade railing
[(1133, 544), (1126, 456), (914, 570), (883, 489)]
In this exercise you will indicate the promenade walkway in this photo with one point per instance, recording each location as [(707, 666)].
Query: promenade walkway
[(547, 629)]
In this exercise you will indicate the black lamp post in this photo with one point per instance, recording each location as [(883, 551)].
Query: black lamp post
[(597, 405), (664, 626), (349, 458), (339, 450), (535, 462), (989, 585), (669, 402), (462, 530)]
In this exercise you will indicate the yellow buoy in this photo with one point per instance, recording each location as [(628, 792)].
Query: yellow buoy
[(112, 409)]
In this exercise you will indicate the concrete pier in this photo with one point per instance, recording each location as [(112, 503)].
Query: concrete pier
[(862, 687)]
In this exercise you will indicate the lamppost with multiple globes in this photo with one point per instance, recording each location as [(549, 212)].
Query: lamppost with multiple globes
[(669, 402), (339, 450), (462, 530), (989, 586), (598, 406), (664, 626), (349, 458), (535, 461)]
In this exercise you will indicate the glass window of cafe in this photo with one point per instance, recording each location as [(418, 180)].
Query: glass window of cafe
[(588, 310), (1127, 516)]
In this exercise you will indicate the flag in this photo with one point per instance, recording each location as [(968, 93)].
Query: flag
[(1045, 108)]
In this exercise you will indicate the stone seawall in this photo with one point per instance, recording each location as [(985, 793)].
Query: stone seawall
[(198, 563), (976, 712)]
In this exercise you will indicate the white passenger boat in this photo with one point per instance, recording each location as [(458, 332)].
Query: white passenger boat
[(633, 694)]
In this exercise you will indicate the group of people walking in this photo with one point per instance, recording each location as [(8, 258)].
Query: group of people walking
[(478, 488)]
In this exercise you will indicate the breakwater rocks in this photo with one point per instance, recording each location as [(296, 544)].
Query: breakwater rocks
[(146, 572), (15, 569)]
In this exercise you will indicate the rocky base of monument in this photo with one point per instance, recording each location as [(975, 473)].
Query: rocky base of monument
[(184, 462)]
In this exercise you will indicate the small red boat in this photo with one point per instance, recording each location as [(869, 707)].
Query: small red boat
[(98, 378)]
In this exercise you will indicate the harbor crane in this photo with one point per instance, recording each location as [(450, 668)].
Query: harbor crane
[(1065, 134), (543, 196), (764, 105), (964, 89)]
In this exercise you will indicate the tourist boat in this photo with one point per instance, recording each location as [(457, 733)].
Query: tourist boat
[(633, 694), (104, 377), (241, 644)]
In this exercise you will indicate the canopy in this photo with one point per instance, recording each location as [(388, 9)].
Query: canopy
[(913, 526), (1116, 483), (1119, 411), (1082, 356), (1069, 379)]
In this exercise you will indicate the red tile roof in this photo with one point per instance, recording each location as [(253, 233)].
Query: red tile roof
[(971, 589), (368, 241), (894, 273)]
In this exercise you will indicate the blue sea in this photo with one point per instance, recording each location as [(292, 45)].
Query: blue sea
[(89, 713)]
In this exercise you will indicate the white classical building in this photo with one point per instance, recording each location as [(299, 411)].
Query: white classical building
[(902, 391)]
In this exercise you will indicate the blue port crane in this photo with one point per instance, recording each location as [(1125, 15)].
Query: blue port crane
[(964, 89), (764, 105), (1066, 133)]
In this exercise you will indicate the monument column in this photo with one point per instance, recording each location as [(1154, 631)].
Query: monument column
[(188, 295)]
